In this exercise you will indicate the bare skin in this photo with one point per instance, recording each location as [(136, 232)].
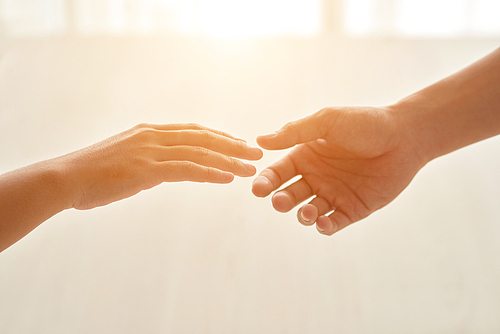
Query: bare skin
[(116, 168), (355, 160)]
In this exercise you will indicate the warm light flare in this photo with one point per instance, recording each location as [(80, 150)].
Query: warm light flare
[(227, 18), (256, 18)]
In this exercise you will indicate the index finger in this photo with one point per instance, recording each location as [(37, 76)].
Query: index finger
[(212, 141), (191, 126)]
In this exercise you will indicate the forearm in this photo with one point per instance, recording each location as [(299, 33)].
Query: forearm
[(457, 111), (29, 196)]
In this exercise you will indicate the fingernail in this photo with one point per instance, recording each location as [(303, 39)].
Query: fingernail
[(263, 180), (228, 177), (250, 168), (261, 186), (319, 228), (271, 135), (303, 217)]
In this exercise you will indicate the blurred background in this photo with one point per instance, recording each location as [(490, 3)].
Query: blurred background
[(201, 258)]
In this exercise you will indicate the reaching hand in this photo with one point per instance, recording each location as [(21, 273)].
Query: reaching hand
[(352, 160), (117, 168), (147, 155)]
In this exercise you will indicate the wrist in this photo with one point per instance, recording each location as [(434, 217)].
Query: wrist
[(60, 182), (454, 112), (411, 116)]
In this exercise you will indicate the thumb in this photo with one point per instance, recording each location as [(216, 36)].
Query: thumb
[(309, 128)]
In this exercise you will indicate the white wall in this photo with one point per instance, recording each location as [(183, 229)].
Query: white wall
[(200, 258)]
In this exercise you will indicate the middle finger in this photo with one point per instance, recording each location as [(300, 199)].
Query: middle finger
[(212, 141), (205, 157)]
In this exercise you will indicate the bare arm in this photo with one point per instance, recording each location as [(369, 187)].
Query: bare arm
[(457, 111), (117, 168), (355, 160)]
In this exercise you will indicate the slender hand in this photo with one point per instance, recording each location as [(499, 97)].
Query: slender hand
[(354, 161), (117, 168)]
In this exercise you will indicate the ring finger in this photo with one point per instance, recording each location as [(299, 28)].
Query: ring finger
[(205, 157), (310, 212)]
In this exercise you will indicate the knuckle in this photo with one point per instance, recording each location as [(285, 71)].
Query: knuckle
[(290, 129), (328, 117), (209, 172), (203, 153), (235, 145), (208, 135), (240, 145), (273, 177), (288, 126), (233, 164), (144, 151), (325, 111), (145, 134), (142, 126), (194, 126), (188, 168), (328, 114)]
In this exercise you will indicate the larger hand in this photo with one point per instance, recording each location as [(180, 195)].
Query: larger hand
[(352, 160)]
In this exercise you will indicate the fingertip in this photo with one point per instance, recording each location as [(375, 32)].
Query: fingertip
[(261, 186), (268, 136), (266, 141), (256, 153), (325, 225), (276, 141), (261, 140), (226, 177), (250, 170), (282, 202), (260, 154), (308, 214)]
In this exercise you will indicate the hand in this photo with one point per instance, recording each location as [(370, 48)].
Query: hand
[(353, 160), (147, 155)]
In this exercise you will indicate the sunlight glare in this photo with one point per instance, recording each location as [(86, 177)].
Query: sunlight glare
[(359, 17), (485, 17), (431, 17), (258, 18)]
